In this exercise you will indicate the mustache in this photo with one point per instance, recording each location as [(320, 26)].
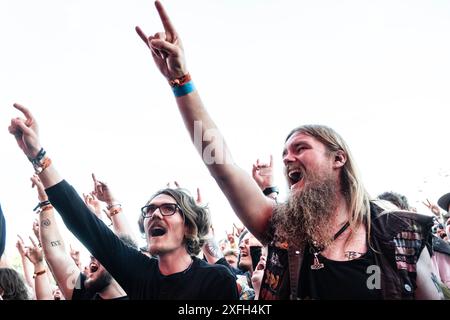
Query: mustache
[(307, 214)]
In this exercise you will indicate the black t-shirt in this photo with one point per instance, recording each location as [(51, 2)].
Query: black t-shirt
[(136, 273), (328, 283)]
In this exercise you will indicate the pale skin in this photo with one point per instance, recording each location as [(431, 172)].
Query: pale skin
[(75, 255), (210, 249), (64, 266), (242, 192), (433, 208), (257, 275), (174, 259), (170, 248), (26, 263), (262, 173), (102, 193), (42, 286)]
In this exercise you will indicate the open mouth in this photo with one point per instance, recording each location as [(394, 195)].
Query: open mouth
[(295, 176), (93, 267), (157, 231)]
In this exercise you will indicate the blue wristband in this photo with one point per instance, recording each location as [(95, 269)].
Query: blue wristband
[(183, 90)]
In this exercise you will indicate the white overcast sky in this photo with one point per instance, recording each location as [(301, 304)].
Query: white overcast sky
[(376, 71)]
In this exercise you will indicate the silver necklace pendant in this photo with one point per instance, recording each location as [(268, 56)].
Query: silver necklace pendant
[(316, 264)]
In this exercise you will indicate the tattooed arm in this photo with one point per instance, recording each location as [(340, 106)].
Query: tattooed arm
[(64, 268), (429, 287), (211, 249)]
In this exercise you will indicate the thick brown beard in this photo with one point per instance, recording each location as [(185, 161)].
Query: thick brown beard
[(308, 214)]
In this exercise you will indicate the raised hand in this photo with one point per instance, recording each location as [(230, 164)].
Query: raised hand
[(75, 255), (20, 245), (198, 199), (434, 208), (26, 132), (102, 191), (175, 185), (93, 203), (263, 173), (36, 182), (237, 231), (34, 253), (231, 239), (166, 47)]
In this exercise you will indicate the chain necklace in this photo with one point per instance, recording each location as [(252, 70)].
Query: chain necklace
[(315, 249)]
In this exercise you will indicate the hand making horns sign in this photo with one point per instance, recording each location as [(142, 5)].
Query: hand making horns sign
[(166, 47)]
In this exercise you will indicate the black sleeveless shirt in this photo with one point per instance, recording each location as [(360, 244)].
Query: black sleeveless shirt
[(356, 276)]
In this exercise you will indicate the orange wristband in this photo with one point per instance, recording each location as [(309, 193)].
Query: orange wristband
[(36, 274), (114, 211), (178, 82)]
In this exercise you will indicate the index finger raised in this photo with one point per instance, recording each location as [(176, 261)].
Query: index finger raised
[(168, 26), (24, 110)]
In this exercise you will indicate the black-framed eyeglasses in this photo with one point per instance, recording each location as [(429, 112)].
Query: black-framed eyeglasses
[(166, 209)]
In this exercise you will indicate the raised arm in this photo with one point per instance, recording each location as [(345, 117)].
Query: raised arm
[(114, 208), (26, 264), (42, 286), (241, 190), (64, 268), (101, 242)]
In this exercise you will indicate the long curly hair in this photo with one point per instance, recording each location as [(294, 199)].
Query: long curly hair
[(196, 218), (12, 285)]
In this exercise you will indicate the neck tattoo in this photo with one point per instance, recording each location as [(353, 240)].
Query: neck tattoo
[(351, 255)]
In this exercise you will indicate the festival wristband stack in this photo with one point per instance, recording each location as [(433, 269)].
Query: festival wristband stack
[(43, 206), (41, 161), (114, 209), (182, 86)]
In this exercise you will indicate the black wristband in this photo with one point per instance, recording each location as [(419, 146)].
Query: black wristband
[(42, 204), (40, 155), (270, 190)]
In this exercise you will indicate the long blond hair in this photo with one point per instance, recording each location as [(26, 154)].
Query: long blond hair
[(353, 189)]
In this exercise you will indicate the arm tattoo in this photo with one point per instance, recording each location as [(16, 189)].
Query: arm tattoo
[(437, 283), (46, 223), (55, 243), (213, 249)]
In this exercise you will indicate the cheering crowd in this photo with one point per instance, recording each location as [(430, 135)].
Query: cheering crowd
[(329, 240)]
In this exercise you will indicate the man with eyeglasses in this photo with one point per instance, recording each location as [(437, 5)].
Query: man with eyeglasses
[(174, 224), (323, 238)]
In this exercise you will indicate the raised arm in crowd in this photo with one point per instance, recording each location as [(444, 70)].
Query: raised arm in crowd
[(328, 217)]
